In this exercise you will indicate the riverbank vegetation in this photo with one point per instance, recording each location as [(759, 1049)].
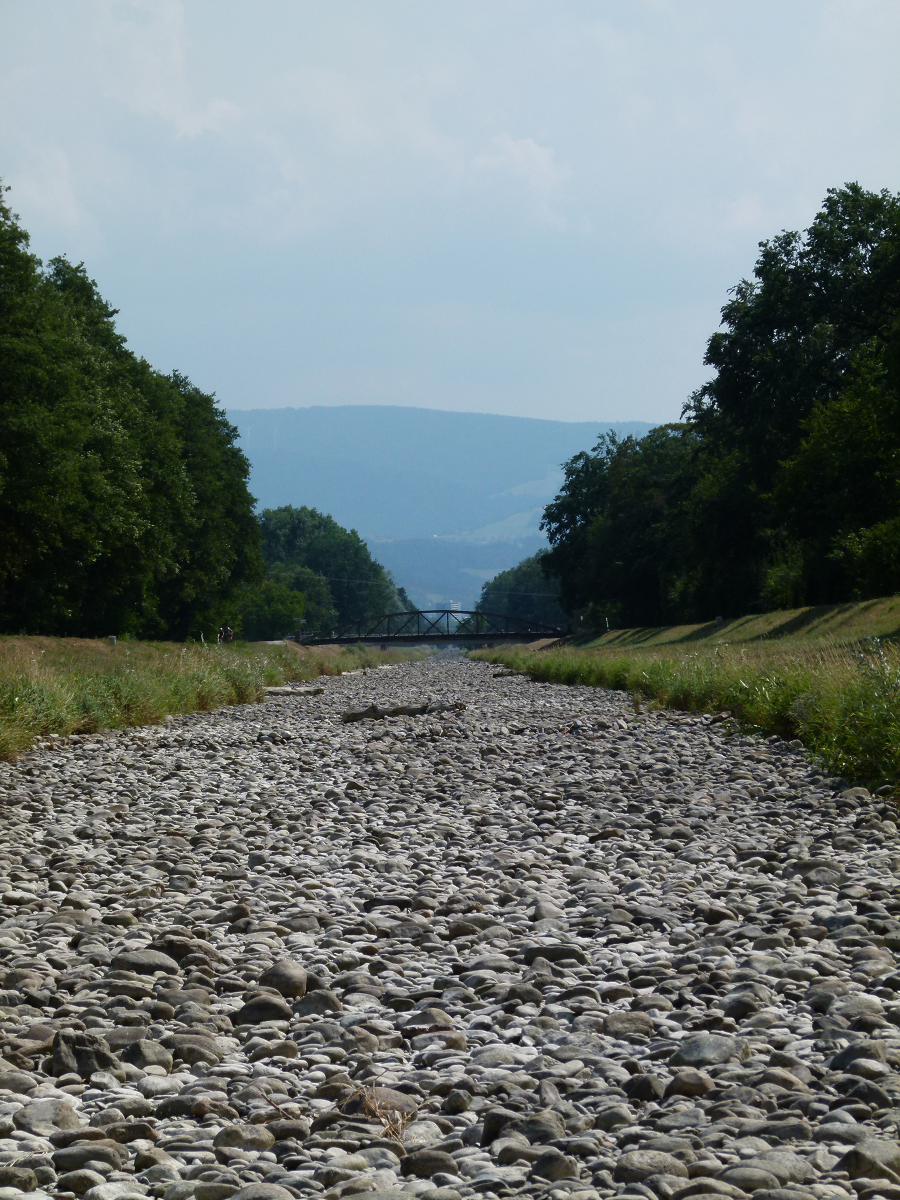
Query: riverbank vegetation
[(526, 592), (123, 495), (780, 486), (842, 701), (59, 686)]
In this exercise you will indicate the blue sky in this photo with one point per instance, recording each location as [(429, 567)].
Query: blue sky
[(532, 207)]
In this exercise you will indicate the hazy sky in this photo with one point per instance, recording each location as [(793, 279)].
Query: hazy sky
[(513, 206)]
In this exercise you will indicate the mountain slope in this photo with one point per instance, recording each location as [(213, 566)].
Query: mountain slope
[(400, 475)]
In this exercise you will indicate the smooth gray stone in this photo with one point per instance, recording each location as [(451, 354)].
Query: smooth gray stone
[(705, 1050)]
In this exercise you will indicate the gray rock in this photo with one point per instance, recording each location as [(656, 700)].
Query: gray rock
[(553, 1165), (79, 1181), (423, 1164), (705, 1050), (636, 1165), (786, 1166), (689, 1082), (215, 1189), (834, 1131), (120, 1189), (286, 977), (748, 1178), (83, 1054), (73, 1158), (17, 1081), (44, 1117), (245, 1137), (873, 1159), (317, 1003), (145, 962), (23, 1179), (264, 1007), (628, 1025), (147, 1053), (459, 878), (268, 1191)]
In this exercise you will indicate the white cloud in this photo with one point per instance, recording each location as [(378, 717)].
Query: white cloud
[(524, 160), (143, 56), (296, 200)]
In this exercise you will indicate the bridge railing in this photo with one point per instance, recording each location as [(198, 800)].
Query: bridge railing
[(437, 623)]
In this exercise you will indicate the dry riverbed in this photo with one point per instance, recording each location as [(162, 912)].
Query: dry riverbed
[(539, 944)]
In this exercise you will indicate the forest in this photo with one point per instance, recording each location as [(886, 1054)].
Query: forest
[(525, 591), (316, 571), (124, 501), (781, 485)]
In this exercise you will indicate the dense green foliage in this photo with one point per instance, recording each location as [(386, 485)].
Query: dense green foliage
[(123, 498), (309, 552), (782, 487), (525, 591)]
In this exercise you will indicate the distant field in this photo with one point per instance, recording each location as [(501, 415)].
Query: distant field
[(77, 685), (822, 675), (837, 623)]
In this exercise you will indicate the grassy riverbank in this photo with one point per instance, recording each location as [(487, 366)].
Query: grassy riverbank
[(74, 685), (841, 701), (835, 623)]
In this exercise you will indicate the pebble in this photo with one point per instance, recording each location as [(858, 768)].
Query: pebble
[(493, 938)]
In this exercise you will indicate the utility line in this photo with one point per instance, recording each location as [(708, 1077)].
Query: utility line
[(502, 592), (335, 579)]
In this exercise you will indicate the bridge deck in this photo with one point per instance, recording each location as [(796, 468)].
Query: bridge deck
[(412, 639), (447, 625)]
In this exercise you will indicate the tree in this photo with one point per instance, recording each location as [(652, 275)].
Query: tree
[(319, 611), (123, 498), (267, 611), (819, 312), (617, 529), (303, 537), (783, 487), (838, 496), (525, 591)]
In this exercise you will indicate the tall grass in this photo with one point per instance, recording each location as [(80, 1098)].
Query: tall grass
[(71, 685), (842, 702)]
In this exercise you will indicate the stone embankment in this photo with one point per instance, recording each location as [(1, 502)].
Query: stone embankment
[(541, 944)]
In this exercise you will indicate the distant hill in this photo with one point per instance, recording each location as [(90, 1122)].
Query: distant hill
[(473, 484)]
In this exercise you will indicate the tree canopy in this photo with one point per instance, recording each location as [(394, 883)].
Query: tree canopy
[(525, 591), (303, 539), (782, 485), (124, 505)]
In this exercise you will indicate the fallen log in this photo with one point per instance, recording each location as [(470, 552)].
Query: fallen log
[(375, 713)]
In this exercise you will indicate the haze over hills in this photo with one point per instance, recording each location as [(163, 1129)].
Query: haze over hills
[(445, 499)]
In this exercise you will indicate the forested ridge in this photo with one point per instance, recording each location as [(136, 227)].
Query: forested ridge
[(316, 571), (781, 486), (124, 505)]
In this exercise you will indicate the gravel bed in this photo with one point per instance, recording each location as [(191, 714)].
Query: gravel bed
[(527, 942)]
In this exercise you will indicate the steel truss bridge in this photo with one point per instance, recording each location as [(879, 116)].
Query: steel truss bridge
[(434, 625)]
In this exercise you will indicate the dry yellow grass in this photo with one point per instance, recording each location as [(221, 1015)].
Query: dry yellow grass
[(70, 685), (829, 623)]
